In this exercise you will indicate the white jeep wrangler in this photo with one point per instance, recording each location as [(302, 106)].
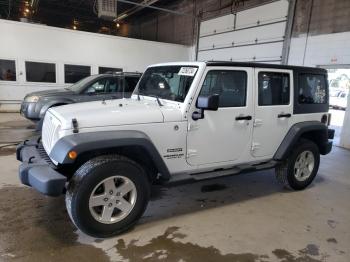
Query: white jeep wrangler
[(195, 121)]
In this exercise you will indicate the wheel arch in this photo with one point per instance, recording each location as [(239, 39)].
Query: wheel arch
[(132, 144), (314, 131)]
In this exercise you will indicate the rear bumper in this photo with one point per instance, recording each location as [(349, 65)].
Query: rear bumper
[(326, 148), (36, 172)]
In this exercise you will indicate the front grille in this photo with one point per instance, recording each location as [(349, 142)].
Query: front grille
[(48, 131), (44, 155)]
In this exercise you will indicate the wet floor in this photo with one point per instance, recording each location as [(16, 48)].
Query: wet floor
[(243, 218)]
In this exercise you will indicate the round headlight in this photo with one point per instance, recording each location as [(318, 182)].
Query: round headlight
[(32, 99)]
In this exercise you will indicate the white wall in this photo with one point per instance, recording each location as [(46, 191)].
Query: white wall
[(328, 50), (31, 42)]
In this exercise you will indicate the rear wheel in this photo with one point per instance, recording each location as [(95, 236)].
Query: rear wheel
[(107, 195), (301, 167)]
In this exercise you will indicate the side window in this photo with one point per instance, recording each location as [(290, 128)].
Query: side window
[(112, 85), (97, 87), (312, 89), (274, 88), (231, 86), (40, 72), (74, 73), (130, 84), (7, 70)]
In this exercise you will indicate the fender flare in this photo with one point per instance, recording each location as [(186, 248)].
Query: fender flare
[(294, 134), (87, 142)]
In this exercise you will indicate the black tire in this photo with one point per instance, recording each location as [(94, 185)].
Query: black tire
[(285, 173), (88, 176)]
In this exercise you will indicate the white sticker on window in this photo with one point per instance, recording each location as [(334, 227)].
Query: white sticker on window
[(187, 71)]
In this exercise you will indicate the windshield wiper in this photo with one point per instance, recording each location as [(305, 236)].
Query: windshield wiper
[(155, 96)]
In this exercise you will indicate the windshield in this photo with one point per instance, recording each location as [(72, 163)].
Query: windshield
[(80, 85), (167, 82)]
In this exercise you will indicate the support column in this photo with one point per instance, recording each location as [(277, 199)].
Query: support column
[(345, 132)]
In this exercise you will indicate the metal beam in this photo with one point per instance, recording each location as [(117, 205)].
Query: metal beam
[(288, 31), (145, 4)]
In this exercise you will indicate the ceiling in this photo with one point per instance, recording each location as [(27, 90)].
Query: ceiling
[(73, 14)]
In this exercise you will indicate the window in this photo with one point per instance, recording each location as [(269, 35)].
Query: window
[(40, 72), (103, 70), (312, 89), (130, 84), (7, 70), (274, 88), (113, 85), (74, 73), (167, 82), (230, 85), (97, 87)]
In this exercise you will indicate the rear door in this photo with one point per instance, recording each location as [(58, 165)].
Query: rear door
[(273, 110)]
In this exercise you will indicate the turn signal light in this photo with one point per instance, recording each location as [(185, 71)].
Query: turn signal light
[(72, 155)]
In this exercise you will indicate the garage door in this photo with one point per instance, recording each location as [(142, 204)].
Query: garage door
[(254, 34)]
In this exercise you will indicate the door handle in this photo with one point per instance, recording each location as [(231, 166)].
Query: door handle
[(282, 115), (239, 118)]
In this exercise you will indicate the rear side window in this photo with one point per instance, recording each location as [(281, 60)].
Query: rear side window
[(7, 70), (312, 89), (274, 88), (231, 86), (40, 72)]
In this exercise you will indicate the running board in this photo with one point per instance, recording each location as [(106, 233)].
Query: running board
[(187, 178)]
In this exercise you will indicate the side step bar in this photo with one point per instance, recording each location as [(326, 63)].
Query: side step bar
[(188, 178)]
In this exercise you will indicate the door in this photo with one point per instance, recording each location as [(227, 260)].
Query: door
[(253, 34), (222, 135), (273, 110), (95, 90)]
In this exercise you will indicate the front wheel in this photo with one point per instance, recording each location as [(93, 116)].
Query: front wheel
[(107, 195), (301, 166)]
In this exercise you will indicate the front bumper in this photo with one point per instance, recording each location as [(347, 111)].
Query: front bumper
[(36, 170)]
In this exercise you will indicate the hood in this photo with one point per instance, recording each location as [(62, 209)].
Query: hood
[(115, 113), (51, 93)]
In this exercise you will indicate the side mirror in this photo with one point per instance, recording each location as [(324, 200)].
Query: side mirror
[(206, 103), (91, 91)]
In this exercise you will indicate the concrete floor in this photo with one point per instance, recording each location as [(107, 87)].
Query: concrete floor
[(248, 217)]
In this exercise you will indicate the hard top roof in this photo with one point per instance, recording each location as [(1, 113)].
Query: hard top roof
[(265, 65)]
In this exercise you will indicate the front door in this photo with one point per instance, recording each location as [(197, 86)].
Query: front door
[(223, 135), (273, 110)]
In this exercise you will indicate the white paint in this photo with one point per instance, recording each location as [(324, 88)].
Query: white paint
[(328, 50), (31, 42), (224, 39)]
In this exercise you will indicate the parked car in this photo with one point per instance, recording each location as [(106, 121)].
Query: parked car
[(340, 101), (185, 121), (91, 88)]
